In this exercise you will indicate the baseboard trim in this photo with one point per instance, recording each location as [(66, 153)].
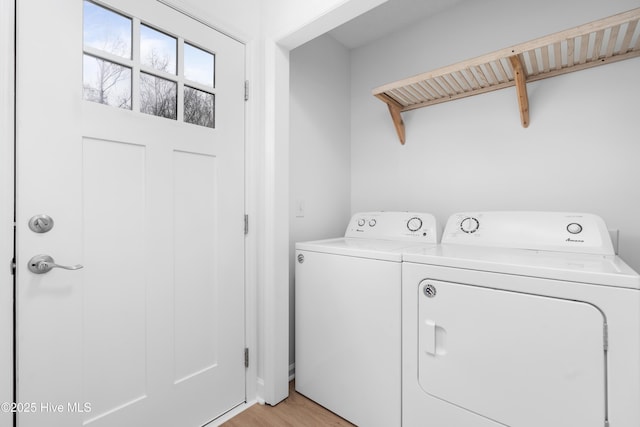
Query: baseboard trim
[(230, 414)]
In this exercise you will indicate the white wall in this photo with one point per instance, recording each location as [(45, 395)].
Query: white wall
[(580, 152), (319, 148)]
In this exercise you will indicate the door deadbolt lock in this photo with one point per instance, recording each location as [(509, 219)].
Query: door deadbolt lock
[(41, 223)]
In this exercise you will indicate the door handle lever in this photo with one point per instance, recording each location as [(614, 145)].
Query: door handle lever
[(41, 264)]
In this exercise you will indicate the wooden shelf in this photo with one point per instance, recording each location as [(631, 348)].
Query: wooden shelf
[(600, 42)]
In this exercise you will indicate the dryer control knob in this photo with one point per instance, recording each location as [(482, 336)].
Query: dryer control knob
[(574, 228), (372, 223), (361, 222), (469, 225), (414, 224)]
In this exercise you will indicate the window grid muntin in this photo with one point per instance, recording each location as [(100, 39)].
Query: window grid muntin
[(137, 68)]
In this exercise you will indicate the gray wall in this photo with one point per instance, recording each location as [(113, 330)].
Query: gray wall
[(319, 147), (581, 151)]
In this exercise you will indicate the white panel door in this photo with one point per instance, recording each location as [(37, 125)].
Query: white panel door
[(130, 136), (521, 360)]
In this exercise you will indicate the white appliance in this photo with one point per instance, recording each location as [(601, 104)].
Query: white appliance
[(520, 319), (348, 315)]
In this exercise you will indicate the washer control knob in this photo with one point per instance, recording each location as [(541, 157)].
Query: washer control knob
[(414, 224), (574, 228), (361, 222), (372, 223), (469, 225)]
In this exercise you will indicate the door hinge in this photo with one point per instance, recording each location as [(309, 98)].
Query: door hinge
[(246, 224), (606, 423), (13, 267), (246, 357), (246, 90), (605, 337)]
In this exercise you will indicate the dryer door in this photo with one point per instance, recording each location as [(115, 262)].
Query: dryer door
[(519, 359)]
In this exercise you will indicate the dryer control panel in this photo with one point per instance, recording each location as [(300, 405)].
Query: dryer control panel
[(404, 226), (548, 231)]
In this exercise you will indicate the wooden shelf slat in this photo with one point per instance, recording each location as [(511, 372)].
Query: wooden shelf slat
[(571, 52), (445, 85), (597, 48), (584, 47), (428, 90), (473, 82), (626, 42), (504, 77), (491, 72), (534, 62), (454, 83), (557, 55), (546, 58), (613, 38), (578, 48)]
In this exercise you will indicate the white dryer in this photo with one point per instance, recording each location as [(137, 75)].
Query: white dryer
[(348, 315), (520, 319)]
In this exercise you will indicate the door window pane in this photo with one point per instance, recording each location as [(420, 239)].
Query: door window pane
[(199, 107), (198, 65), (106, 82), (158, 96), (106, 30), (158, 50)]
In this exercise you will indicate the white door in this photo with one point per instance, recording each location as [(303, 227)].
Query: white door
[(130, 121)]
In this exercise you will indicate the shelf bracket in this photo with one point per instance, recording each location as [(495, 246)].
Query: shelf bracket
[(395, 109), (398, 123), (521, 89)]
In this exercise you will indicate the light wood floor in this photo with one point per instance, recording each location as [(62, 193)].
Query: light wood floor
[(294, 411)]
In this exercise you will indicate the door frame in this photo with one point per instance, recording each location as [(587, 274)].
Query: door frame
[(7, 99)]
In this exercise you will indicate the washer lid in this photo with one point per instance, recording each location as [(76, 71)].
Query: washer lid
[(385, 250), (603, 270)]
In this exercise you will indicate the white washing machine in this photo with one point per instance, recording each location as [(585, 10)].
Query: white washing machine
[(521, 319), (348, 315)]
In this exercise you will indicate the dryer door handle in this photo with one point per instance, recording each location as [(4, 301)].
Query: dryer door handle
[(433, 338), (429, 337)]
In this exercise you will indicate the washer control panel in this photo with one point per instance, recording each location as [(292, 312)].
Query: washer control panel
[(550, 231), (407, 226)]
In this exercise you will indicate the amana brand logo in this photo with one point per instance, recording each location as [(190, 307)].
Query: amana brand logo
[(569, 239)]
